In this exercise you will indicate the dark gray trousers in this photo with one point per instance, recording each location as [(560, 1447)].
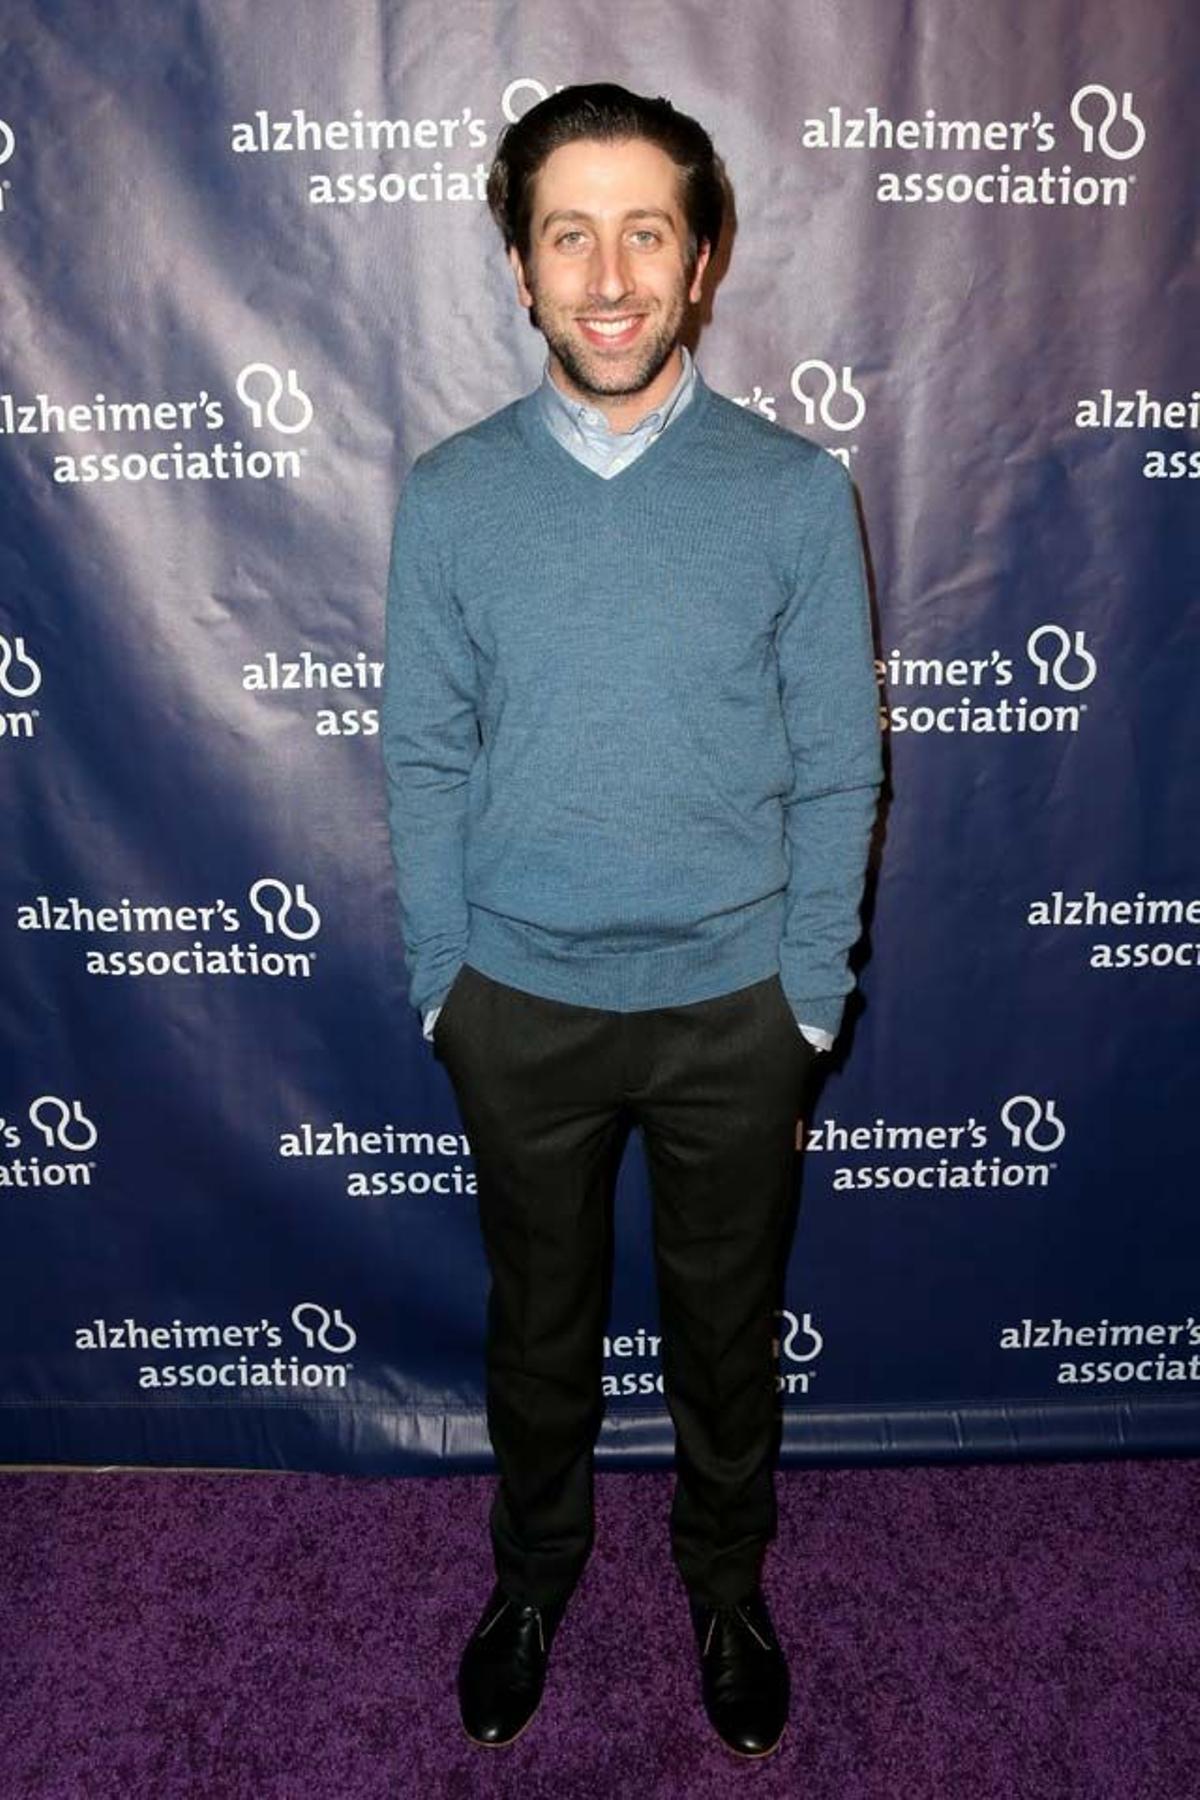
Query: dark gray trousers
[(548, 1093)]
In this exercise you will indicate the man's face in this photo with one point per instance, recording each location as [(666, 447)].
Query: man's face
[(606, 282)]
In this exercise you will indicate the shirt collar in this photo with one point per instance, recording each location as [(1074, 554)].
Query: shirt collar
[(590, 419)]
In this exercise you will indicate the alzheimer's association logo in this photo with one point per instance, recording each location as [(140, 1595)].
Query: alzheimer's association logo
[(20, 679)]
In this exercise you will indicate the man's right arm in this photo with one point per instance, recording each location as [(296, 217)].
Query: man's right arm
[(430, 739)]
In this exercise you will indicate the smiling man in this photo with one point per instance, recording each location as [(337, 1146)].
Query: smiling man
[(608, 284), (631, 736)]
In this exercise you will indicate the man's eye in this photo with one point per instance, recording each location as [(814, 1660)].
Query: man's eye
[(570, 237)]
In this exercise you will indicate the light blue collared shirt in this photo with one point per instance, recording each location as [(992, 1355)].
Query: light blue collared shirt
[(585, 432)]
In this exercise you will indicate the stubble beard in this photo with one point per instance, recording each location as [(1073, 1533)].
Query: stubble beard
[(589, 370)]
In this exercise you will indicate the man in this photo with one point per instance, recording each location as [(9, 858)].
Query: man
[(631, 736)]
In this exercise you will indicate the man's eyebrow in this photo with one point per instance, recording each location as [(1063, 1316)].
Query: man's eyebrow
[(636, 212)]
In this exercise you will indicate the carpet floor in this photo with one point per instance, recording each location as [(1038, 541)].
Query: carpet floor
[(958, 1632)]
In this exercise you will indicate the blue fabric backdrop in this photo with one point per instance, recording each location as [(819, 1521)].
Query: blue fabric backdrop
[(247, 276)]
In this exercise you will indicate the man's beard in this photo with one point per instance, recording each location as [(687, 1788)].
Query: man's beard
[(592, 373)]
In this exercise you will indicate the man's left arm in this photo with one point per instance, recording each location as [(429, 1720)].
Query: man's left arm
[(831, 711)]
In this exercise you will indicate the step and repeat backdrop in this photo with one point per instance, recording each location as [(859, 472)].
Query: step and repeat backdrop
[(248, 275)]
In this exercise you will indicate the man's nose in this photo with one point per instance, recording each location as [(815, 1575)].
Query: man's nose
[(610, 272)]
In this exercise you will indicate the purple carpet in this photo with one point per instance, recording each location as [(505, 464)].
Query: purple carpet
[(1030, 1631)]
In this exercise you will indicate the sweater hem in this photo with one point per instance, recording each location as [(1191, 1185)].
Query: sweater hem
[(736, 950)]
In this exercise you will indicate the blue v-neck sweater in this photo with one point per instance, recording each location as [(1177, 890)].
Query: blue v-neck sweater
[(630, 726)]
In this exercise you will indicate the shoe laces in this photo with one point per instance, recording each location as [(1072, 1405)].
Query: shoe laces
[(733, 1611), (526, 1606)]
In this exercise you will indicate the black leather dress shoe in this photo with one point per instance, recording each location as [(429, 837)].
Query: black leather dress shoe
[(503, 1667), (743, 1673)]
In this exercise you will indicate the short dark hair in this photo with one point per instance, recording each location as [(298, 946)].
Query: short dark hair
[(603, 110)]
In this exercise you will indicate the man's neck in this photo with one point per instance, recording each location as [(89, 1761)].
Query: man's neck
[(623, 411)]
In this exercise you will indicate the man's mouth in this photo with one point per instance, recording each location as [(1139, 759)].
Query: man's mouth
[(612, 333)]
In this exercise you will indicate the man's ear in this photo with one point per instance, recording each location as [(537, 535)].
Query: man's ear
[(518, 269)]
